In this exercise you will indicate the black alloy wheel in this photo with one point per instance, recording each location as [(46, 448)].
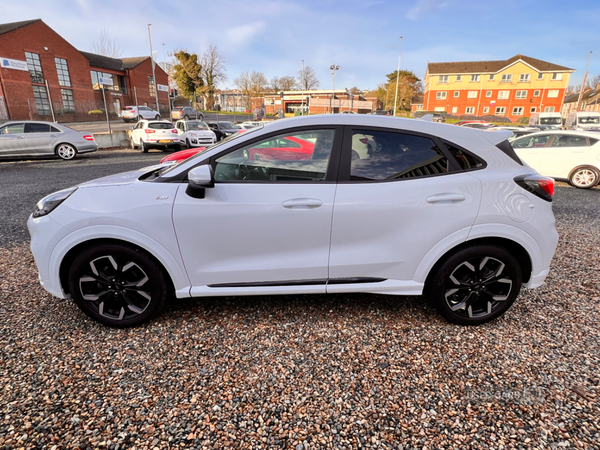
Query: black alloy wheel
[(118, 285), (475, 285)]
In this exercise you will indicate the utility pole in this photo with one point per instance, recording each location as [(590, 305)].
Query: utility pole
[(583, 84), (398, 77), (153, 72)]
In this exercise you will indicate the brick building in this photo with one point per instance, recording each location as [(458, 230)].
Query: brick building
[(512, 88), (316, 102), (41, 75)]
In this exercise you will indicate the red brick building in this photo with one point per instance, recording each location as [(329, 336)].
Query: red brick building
[(41, 75)]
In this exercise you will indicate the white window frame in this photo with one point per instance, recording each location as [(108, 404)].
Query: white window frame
[(517, 111), (506, 78), (492, 76), (475, 78), (458, 77), (439, 108), (556, 76), (536, 93), (503, 95), (456, 94), (549, 109), (443, 79), (540, 76), (470, 110), (500, 111), (521, 94), (524, 78), (488, 93), (441, 95), (454, 110), (472, 94), (533, 109), (552, 93), (486, 109)]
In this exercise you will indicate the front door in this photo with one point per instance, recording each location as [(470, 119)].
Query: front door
[(265, 224), (12, 139)]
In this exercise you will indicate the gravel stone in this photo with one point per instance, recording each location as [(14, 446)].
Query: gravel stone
[(310, 372)]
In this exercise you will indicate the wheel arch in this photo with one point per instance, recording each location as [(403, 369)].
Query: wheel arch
[(585, 166), (65, 143)]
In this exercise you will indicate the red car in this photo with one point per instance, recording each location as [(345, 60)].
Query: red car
[(288, 148)]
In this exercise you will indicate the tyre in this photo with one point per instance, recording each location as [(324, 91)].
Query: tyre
[(584, 177), (157, 117), (186, 117), (200, 116), (188, 144), (133, 146), (118, 285), (144, 147), (475, 285), (139, 118), (66, 151)]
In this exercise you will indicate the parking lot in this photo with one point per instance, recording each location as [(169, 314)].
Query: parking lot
[(301, 372)]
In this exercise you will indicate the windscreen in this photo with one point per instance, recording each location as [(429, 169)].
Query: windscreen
[(192, 126), (588, 120), (550, 120)]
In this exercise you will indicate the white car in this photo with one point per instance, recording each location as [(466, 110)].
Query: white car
[(444, 211), (195, 133), (568, 155), (136, 113), (158, 134)]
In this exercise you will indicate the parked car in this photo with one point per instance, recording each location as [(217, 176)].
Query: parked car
[(447, 212), (159, 134), (26, 138), (462, 122), (251, 124), (568, 155), (223, 129), (195, 133), (379, 112), (438, 118), (186, 113), (136, 113), (349, 112), (583, 120), (516, 131), (478, 125)]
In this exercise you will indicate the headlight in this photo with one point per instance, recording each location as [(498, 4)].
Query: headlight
[(48, 203)]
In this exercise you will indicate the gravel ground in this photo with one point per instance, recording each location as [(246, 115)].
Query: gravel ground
[(309, 372)]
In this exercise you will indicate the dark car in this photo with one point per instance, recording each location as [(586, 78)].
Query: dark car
[(223, 129), (380, 112), (438, 118), (186, 113)]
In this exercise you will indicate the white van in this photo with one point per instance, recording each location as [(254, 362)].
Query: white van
[(583, 120), (546, 120)]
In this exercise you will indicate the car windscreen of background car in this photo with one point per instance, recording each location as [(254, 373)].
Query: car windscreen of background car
[(161, 126), (227, 125), (197, 126)]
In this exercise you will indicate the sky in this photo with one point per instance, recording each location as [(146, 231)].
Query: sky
[(360, 36)]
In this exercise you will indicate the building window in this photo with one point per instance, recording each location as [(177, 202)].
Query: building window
[(486, 109), (440, 95), (521, 94), (506, 78), (456, 94), (492, 76), (474, 77), (500, 110), (151, 86), (35, 67), (118, 81), (524, 78), (488, 93), (419, 107), (540, 76), (517, 111), (454, 109), (443, 79), (532, 109), (458, 77), (470, 110), (556, 76), (553, 93), (439, 108), (536, 93), (472, 94), (503, 95), (41, 100), (67, 100), (62, 69), (549, 109)]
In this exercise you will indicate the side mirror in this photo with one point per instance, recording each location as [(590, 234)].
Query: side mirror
[(199, 179)]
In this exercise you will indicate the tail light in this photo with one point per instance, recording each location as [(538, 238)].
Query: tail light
[(364, 140), (88, 137), (538, 185), (174, 130), (149, 131)]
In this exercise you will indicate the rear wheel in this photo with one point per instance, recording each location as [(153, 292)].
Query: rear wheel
[(475, 285), (186, 117), (66, 151), (157, 117), (118, 285), (584, 177), (144, 147)]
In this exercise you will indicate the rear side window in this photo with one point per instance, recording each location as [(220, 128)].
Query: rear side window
[(38, 128), (465, 160), (593, 141), (507, 149), (161, 126)]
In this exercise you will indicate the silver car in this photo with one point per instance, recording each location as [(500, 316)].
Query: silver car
[(32, 138)]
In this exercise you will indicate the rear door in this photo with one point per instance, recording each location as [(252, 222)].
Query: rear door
[(395, 205), (563, 153), (531, 148), (40, 138)]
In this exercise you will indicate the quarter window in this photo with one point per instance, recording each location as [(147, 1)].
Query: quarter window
[(62, 69), (298, 157), (396, 156), (35, 67)]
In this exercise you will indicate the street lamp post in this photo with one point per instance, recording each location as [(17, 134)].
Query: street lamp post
[(398, 77), (334, 69), (153, 71)]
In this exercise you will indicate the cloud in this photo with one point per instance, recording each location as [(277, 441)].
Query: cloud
[(244, 34), (423, 7)]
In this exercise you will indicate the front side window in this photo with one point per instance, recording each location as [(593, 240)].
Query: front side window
[(440, 95), (302, 156), (382, 155), (35, 67), (531, 141), (13, 128), (561, 140), (443, 78), (62, 69), (41, 100)]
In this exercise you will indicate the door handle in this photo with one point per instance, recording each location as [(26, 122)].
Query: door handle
[(446, 198), (302, 203)]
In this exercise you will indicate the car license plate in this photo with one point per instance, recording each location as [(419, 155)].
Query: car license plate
[(164, 141)]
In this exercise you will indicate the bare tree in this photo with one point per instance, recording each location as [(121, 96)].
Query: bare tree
[(275, 84), (288, 83), (244, 84), (593, 81), (307, 79), (105, 46), (213, 72)]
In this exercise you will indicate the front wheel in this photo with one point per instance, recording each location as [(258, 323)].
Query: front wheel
[(584, 178), (118, 285), (66, 151), (157, 117), (475, 285)]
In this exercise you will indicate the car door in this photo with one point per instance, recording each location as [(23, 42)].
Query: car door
[(563, 153), (136, 133), (394, 206), (531, 148), (40, 138), (12, 139), (265, 225)]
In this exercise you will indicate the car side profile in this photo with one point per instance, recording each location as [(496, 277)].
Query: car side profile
[(440, 211), (568, 155), (137, 113), (29, 138), (186, 113)]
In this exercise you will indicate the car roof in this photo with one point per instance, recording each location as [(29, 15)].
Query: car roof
[(591, 134)]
